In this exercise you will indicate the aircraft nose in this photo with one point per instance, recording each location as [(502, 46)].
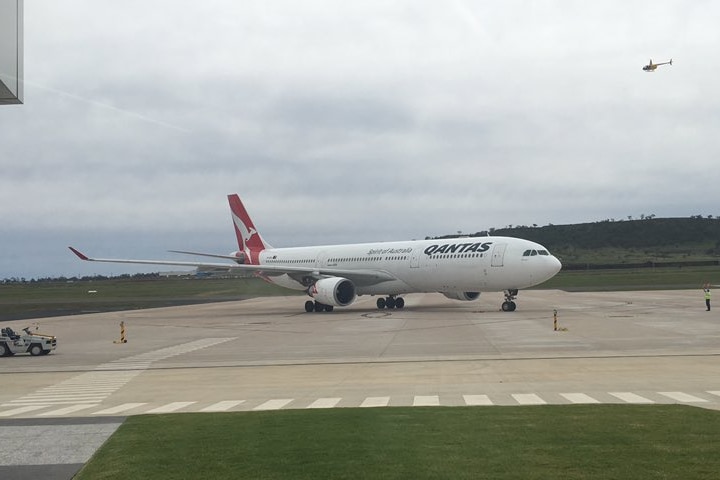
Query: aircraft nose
[(555, 265)]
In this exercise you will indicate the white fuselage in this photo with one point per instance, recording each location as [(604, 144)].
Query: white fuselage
[(473, 264)]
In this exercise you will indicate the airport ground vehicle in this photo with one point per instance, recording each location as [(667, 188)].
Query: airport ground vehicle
[(26, 342)]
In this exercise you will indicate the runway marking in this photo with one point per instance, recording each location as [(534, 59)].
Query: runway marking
[(579, 398), (325, 403), (31, 410), (170, 407), (683, 397), (630, 397), (275, 404), (375, 402), (21, 410), (426, 401), (64, 411), (528, 399), (222, 406), (475, 400), (143, 360), (95, 386), (119, 409)]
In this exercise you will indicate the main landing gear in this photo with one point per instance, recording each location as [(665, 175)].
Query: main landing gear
[(509, 305), (390, 302), (311, 306)]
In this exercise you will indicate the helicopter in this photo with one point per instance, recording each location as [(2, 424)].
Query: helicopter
[(650, 67)]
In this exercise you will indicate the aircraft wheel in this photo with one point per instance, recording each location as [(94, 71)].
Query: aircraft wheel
[(509, 306), (380, 303), (399, 303), (309, 306), (390, 302), (319, 307), (329, 308)]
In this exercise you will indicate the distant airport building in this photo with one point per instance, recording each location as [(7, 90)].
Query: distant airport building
[(11, 52)]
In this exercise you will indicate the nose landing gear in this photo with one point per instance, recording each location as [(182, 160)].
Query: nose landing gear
[(509, 305)]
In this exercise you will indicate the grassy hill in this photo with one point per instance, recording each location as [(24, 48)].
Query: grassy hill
[(617, 243)]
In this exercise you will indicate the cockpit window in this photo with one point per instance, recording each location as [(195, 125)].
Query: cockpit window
[(533, 253)]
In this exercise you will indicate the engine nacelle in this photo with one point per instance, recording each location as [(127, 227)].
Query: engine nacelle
[(463, 296), (335, 291), (239, 257)]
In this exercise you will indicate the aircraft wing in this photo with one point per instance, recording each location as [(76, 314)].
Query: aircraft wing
[(359, 277)]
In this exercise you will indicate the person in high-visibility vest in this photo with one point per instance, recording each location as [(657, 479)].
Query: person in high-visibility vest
[(706, 289)]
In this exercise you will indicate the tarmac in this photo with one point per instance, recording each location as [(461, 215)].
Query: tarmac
[(653, 347)]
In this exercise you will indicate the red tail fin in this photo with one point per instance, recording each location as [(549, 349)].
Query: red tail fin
[(248, 238)]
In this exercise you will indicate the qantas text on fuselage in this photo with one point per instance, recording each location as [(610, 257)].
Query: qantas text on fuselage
[(335, 275)]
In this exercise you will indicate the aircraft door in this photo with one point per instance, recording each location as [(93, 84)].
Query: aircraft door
[(498, 255), (415, 258), (321, 260)]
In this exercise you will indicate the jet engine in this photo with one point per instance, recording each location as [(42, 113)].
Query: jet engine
[(335, 291), (239, 257), (463, 296)]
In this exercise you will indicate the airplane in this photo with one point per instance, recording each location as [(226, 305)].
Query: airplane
[(335, 275), (651, 67)]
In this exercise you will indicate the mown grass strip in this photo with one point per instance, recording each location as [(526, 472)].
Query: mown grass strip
[(569, 442)]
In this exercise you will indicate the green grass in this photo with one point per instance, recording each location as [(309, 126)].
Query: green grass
[(568, 442), (32, 300), (661, 278)]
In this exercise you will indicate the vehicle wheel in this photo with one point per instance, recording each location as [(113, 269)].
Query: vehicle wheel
[(309, 306), (390, 302), (380, 303), (45, 352), (4, 350), (35, 350)]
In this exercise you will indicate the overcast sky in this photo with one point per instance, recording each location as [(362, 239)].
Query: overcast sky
[(341, 122)]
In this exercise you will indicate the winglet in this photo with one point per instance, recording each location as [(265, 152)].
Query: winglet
[(81, 255)]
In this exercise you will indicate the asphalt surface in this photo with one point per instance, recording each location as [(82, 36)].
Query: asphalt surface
[(264, 354)]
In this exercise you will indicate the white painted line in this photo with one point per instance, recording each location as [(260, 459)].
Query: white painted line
[(630, 397), (683, 397), (170, 407), (47, 403), (119, 409), (19, 410), (66, 410), (375, 402), (324, 403), (222, 406), (275, 404), (79, 397), (477, 400), (528, 399), (426, 401), (579, 398)]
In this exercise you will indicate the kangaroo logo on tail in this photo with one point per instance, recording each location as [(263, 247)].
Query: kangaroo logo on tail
[(248, 238)]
